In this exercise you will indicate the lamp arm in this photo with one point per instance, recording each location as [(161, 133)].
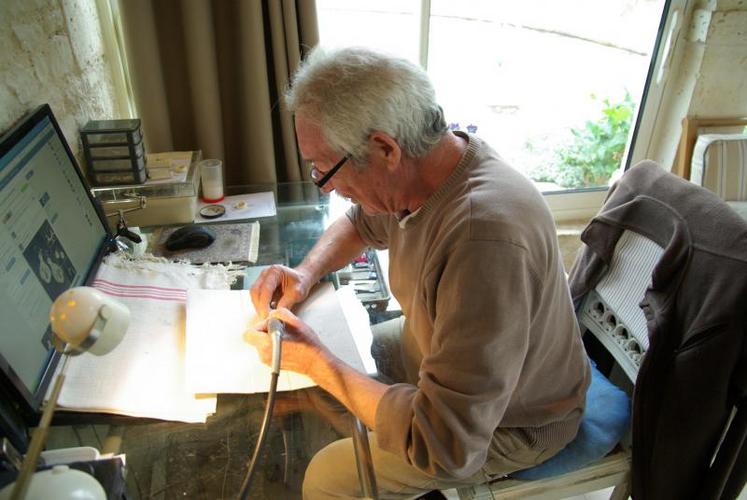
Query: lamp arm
[(39, 438)]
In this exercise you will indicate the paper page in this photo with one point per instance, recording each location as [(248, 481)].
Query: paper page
[(220, 361), (144, 375), (242, 206), (360, 326)]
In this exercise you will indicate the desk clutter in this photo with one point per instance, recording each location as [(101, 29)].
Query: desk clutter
[(366, 277), (171, 198), (114, 151)]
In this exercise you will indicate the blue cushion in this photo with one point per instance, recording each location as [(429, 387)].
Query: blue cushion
[(605, 421)]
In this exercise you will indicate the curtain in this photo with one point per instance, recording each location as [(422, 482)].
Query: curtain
[(210, 75)]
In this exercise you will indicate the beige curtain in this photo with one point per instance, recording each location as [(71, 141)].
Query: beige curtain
[(210, 74)]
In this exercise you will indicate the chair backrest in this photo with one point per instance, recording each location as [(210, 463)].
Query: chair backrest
[(719, 164), (611, 311), (692, 127)]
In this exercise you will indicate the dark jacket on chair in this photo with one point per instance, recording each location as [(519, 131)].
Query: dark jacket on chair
[(695, 370)]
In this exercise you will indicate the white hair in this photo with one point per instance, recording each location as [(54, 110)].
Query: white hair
[(351, 92)]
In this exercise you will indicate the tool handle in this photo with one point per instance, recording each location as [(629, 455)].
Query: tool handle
[(276, 328)]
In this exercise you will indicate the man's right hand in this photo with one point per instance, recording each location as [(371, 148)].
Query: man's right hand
[(280, 286)]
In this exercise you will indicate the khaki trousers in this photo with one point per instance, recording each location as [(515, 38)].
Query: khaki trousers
[(332, 472)]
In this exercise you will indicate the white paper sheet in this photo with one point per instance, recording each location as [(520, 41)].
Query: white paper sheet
[(360, 325), (144, 375), (242, 206), (218, 360)]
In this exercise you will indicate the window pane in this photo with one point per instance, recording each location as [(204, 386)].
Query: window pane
[(387, 25), (550, 84)]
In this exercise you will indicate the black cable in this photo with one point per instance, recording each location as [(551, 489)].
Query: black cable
[(275, 329)]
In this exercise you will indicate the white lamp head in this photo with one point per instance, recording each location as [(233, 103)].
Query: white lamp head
[(88, 320), (60, 482)]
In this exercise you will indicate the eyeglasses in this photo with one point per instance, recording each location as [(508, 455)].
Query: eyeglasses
[(319, 179)]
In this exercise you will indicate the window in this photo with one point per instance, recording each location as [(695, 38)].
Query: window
[(552, 85)]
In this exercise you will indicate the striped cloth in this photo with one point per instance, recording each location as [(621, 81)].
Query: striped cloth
[(141, 291), (144, 376)]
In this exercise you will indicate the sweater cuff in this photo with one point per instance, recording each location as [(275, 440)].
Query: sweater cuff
[(394, 418)]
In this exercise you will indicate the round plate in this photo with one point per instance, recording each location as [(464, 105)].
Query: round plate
[(212, 211)]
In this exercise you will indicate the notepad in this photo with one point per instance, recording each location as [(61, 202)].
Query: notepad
[(219, 360)]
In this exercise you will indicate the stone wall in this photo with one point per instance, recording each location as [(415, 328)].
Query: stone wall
[(52, 52), (725, 53), (569, 239)]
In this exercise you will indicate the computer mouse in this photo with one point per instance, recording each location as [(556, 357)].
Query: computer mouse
[(190, 236)]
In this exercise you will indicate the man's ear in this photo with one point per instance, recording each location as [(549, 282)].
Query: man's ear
[(385, 148)]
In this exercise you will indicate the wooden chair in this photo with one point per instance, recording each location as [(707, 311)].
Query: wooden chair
[(719, 163), (691, 127)]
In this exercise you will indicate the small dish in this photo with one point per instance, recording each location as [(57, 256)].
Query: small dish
[(212, 211)]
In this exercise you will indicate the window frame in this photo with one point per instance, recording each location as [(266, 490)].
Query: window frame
[(646, 130)]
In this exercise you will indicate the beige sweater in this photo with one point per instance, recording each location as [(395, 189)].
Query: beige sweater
[(491, 338)]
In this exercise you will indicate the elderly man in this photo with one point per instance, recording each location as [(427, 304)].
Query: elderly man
[(489, 370)]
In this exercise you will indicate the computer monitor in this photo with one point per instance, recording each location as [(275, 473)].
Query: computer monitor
[(52, 237)]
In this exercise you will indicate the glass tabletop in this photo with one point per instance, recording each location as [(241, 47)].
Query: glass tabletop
[(303, 212), (166, 460)]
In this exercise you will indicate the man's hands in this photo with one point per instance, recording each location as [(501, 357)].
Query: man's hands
[(301, 345), (303, 352), (283, 286)]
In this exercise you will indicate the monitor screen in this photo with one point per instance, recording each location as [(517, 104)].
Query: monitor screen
[(51, 237)]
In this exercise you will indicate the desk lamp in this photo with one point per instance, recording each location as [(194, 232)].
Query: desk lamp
[(83, 320)]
